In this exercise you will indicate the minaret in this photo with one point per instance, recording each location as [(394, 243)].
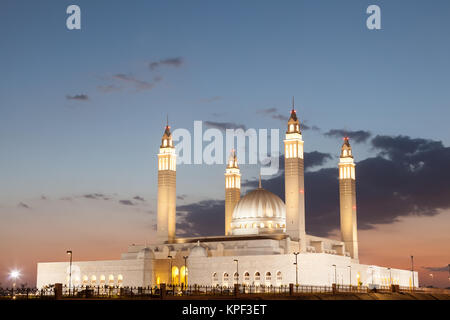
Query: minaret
[(294, 180), (232, 189), (167, 162), (347, 196)]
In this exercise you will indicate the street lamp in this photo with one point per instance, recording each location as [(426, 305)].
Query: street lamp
[(296, 268), (69, 252), (412, 270), (432, 278), (350, 268), (170, 270), (185, 271), (14, 275), (335, 274), (237, 270)]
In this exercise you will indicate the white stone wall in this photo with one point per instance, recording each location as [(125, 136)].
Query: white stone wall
[(313, 269), (136, 272)]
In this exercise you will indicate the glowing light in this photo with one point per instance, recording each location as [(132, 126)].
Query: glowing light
[(14, 274)]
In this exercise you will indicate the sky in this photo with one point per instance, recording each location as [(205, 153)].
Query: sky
[(83, 112)]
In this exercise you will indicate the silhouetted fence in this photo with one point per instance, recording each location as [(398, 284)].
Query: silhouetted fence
[(157, 292)]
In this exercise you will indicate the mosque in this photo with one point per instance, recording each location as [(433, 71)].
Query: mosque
[(264, 242)]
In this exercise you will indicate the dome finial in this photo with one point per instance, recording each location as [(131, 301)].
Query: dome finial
[(293, 103)]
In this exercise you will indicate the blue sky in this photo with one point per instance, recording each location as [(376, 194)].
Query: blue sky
[(237, 58)]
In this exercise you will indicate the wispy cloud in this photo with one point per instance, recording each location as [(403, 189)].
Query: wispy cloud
[(23, 205), (273, 113), (174, 62), (139, 198), (436, 269), (358, 136), (224, 125), (78, 97), (126, 202), (181, 196), (130, 79), (95, 196)]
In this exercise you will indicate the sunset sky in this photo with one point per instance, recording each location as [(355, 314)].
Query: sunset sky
[(82, 113)]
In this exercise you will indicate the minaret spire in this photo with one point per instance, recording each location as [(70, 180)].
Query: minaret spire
[(347, 199), (166, 215), (260, 186), (294, 181), (232, 189)]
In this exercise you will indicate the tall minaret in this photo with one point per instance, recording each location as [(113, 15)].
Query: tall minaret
[(232, 189), (167, 161), (294, 180), (347, 196)]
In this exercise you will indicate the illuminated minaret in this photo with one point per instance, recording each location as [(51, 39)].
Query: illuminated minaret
[(294, 180), (232, 189), (347, 196), (167, 162)]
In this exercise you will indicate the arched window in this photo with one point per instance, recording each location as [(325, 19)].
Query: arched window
[(215, 278), (268, 276), (257, 276), (102, 280), (175, 275), (225, 279), (261, 225), (119, 280), (93, 280), (85, 280), (184, 273), (111, 280), (246, 276), (291, 128), (279, 277)]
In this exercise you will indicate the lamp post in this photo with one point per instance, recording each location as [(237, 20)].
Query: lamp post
[(432, 278), (296, 268), (412, 270), (335, 274), (14, 275), (170, 270), (69, 252), (185, 271), (350, 279), (237, 270)]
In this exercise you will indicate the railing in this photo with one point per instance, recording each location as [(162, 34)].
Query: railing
[(116, 292)]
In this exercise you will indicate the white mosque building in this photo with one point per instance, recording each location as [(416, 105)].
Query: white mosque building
[(263, 237)]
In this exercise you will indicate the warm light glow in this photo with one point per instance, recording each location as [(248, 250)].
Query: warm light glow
[(14, 274)]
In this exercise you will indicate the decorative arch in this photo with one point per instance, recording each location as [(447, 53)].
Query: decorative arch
[(175, 275), (184, 275)]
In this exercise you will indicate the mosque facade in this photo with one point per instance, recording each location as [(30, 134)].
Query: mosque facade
[(264, 242)]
